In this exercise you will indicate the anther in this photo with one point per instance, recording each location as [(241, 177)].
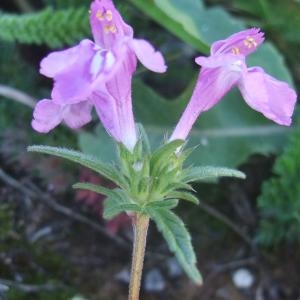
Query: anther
[(235, 50), (250, 42), (108, 15), (110, 28), (99, 15)]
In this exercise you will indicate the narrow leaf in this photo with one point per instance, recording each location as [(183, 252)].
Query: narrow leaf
[(178, 239), (162, 154), (94, 188), (144, 137), (184, 196), (80, 158), (167, 204), (208, 172), (112, 208)]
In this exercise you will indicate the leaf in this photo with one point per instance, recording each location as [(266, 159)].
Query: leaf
[(144, 138), (178, 239), (279, 202), (162, 155), (167, 204), (80, 158), (149, 8), (94, 188), (184, 196), (98, 143), (117, 203), (190, 20), (54, 28), (209, 172)]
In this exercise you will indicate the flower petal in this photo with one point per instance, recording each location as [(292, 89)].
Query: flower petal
[(229, 61), (114, 106), (59, 61), (273, 98), (211, 86), (107, 24), (78, 114), (148, 56), (106, 109), (46, 116), (243, 42), (73, 83)]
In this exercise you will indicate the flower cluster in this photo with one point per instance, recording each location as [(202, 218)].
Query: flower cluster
[(97, 74)]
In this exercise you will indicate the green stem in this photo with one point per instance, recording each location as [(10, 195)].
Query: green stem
[(140, 229)]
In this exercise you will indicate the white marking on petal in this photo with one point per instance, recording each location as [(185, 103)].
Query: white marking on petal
[(109, 60), (96, 64), (236, 66)]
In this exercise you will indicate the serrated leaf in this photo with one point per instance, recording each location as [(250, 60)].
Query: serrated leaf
[(183, 196), (55, 28), (178, 239), (209, 172), (80, 158)]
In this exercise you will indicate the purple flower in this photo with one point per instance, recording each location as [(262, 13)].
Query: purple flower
[(97, 74), (225, 68)]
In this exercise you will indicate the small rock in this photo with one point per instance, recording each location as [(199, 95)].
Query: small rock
[(243, 278), (154, 281)]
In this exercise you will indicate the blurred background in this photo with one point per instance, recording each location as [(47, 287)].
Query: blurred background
[(54, 243)]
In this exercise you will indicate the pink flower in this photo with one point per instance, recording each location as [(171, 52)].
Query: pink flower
[(97, 74), (225, 68)]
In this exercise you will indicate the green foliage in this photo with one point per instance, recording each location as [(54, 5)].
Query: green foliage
[(6, 220), (150, 183), (275, 15), (13, 113), (190, 20), (208, 172), (85, 160), (279, 202), (52, 266), (54, 28), (178, 239)]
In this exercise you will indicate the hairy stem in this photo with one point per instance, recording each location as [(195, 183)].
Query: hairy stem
[(140, 228)]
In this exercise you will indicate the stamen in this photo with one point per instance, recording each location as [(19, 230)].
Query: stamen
[(99, 15), (250, 42), (235, 50), (106, 29), (109, 15), (110, 28)]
